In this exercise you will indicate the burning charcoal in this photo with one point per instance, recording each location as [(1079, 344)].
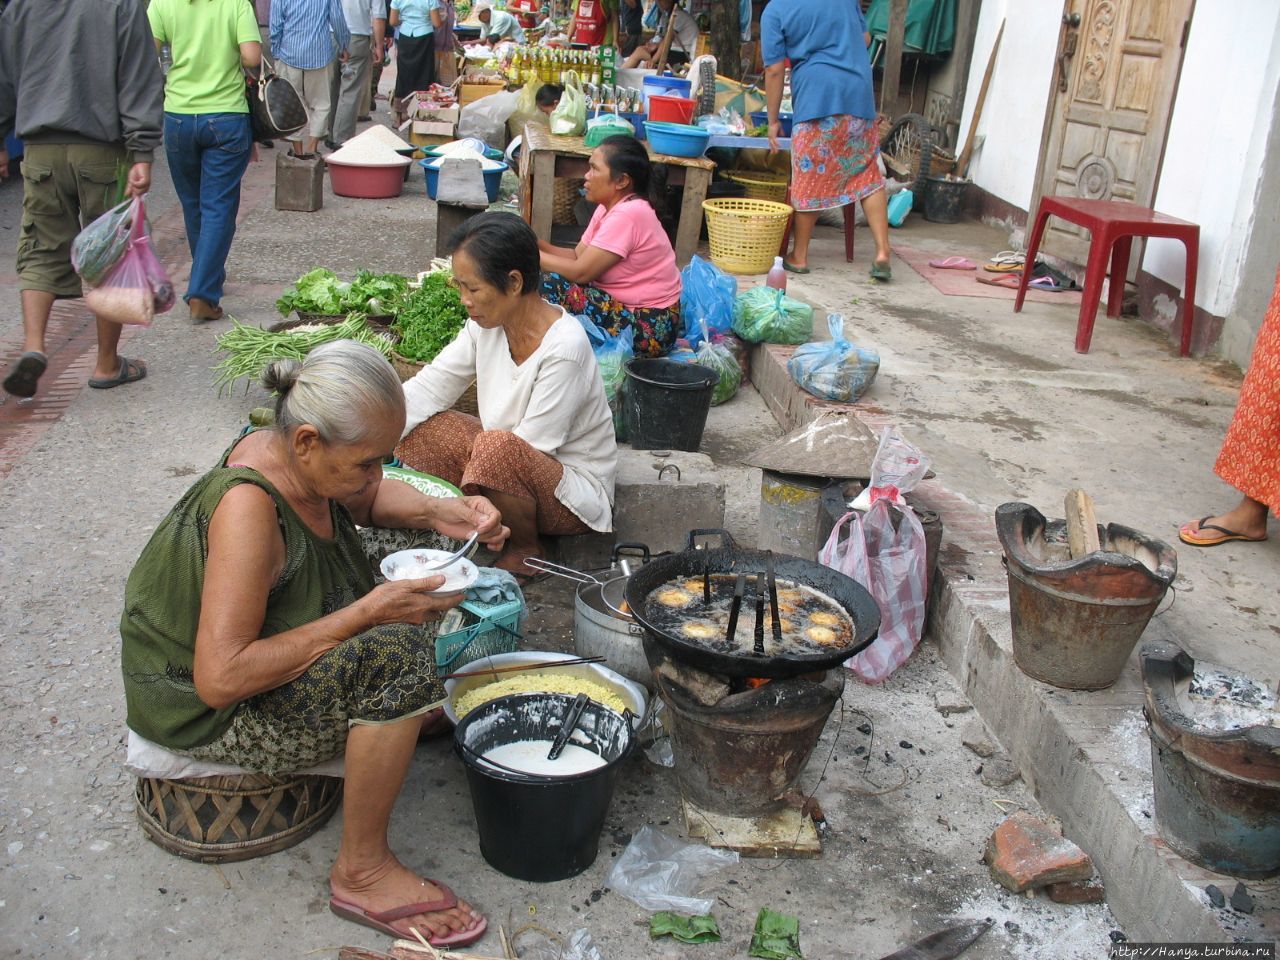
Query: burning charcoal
[(1240, 899), (1215, 896)]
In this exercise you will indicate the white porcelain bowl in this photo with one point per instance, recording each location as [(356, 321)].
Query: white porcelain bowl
[(632, 694), (413, 564)]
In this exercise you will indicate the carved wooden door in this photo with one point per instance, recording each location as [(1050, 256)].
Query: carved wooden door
[(1114, 86)]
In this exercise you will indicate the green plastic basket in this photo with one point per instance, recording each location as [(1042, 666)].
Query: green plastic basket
[(493, 628)]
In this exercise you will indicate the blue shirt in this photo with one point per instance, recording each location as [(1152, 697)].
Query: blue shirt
[(415, 17), (303, 32), (830, 69)]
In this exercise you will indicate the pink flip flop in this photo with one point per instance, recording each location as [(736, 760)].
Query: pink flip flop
[(382, 921), (954, 263)]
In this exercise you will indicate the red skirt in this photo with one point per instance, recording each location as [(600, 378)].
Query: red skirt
[(834, 161)]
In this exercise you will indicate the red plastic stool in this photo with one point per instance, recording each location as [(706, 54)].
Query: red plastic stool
[(1114, 224), (848, 231)]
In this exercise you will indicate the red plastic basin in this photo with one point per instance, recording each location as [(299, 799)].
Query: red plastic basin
[(367, 183), (670, 109)]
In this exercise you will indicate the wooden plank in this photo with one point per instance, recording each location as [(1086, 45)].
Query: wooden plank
[(543, 191), (891, 89), (1082, 525), (695, 191)]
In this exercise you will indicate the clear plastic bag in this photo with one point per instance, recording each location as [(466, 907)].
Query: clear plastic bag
[(605, 125), (834, 369), (612, 352), (100, 245), (486, 118), (137, 287), (897, 468), (706, 294), (763, 314), (659, 872), (714, 354), (569, 118)]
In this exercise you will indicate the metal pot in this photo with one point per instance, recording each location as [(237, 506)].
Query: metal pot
[(601, 625), (730, 558)]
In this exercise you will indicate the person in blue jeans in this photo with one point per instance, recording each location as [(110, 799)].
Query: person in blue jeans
[(207, 134)]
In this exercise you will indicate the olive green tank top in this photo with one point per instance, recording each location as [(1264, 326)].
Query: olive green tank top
[(162, 603)]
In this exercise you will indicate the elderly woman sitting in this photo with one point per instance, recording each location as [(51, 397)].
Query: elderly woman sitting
[(253, 633), (543, 448), (623, 271)]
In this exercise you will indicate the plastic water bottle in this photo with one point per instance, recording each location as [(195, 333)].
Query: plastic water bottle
[(777, 277)]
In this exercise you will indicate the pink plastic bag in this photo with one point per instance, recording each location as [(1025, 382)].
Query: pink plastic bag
[(137, 287), (891, 565)]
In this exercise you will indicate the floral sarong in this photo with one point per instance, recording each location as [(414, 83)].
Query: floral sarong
[(656, 329), (834, 162)]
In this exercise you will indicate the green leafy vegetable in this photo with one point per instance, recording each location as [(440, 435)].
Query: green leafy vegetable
[(249, 349), (320, 291), (430, 318)]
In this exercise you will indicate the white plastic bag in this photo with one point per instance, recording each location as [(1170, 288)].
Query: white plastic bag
[(891, 565), (569, 118), (486, 118), (659, 872)]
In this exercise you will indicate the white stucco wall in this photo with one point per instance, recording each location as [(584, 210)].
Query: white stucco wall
[(1217, 141)]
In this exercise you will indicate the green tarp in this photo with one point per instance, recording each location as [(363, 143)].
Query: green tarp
[(931, 26)]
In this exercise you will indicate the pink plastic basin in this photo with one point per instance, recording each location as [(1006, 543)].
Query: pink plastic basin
[(367, 183)]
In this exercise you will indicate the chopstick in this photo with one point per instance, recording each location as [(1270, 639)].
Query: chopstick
[(759, 647), (739, 586), (522, 666), (773, 599)]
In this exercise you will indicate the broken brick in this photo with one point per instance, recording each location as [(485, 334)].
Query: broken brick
[(1024, 852), (1076, 891)]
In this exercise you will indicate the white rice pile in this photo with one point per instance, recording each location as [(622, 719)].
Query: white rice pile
[(485, 164), (466, 147), (367, 153), (384, 135)]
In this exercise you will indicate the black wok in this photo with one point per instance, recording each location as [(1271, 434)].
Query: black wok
[(730, 558)]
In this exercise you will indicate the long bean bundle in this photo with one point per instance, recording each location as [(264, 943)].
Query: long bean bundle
[(249, 349)]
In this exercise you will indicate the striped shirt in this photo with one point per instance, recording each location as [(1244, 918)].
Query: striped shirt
[(303, 32)]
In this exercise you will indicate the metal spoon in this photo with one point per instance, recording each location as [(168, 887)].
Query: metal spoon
[(452, 559)]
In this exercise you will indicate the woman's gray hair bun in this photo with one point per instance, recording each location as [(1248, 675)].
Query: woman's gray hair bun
[(343, 388), (281, 375)]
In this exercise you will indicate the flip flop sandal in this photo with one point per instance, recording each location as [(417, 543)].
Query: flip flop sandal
[(1009, 281), (1062, 280), (1046, 283), (792, 268), (1189, 531), (881, 272), (131, 371), (382, 921), (1006, 261), (26, 373), (954, 263)]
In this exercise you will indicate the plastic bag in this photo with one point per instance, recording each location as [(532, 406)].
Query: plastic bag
[(891, 565), (534, 944), (100, 245), (834, 369), (659, 872), (612, 352), (526, 109), (897, 468), (763, 314), (707, 294), (569, 118), (605, 125), (137, 287), (486, 118), (713, 353)]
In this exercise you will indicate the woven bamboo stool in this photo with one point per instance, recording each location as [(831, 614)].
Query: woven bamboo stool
[(222, 819)]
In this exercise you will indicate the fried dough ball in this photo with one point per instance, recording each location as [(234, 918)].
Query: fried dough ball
[(824, 618), (674, 597), (700, 630), (824, 636)]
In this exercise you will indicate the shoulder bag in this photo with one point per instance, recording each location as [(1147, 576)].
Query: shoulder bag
[(276, 109)]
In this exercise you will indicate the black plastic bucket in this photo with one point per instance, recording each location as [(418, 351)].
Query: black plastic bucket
[(533, 827), (944, 199), (666, 403)]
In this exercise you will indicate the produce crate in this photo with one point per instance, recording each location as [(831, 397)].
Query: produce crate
[(491, 628), (471, 92), (430, 133)]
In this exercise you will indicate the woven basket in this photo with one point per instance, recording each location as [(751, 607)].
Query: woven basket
[(745, 234), (469, 402), (761, 184), (222, 819), (565, 195)]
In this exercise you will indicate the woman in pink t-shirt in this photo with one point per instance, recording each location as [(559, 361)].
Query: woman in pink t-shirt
[(623, 272)]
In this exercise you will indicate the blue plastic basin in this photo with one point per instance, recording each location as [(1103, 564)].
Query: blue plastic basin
[(665, 86), (492, 179), (676, 139), (761, 118)]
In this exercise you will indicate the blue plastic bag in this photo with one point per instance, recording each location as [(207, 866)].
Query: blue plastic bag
[(715, 355), (707, 294), (611, 353), (834, 369)]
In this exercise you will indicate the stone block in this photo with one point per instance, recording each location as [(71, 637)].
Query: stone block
[(583, 551), (947, 703), (1024, 852), (659, 499), (299, 182), (999, 771), (975, 736), (1077, 891)]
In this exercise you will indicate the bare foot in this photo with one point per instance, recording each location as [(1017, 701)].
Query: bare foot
[(392, 885)]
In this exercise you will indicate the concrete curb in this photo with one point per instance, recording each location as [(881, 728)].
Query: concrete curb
[(1066, 744)]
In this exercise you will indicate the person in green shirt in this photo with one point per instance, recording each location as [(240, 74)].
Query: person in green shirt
[(253, 633), (207, 135)]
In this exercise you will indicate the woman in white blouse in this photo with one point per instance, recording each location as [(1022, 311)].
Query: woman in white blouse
[(543, 448)]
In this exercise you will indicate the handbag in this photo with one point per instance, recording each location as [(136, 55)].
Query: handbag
[(276, 110)]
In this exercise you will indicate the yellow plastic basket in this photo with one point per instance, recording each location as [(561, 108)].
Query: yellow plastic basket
[(761, 184), (745, 234)]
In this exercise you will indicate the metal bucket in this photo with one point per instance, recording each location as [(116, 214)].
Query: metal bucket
[(1075, 622), (1217, 793)]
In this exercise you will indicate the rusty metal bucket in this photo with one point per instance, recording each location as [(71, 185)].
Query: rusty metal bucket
[(1217, 793), (1075, 622), (744, 754)]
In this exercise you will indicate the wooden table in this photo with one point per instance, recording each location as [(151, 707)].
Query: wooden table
[(545, 156)]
